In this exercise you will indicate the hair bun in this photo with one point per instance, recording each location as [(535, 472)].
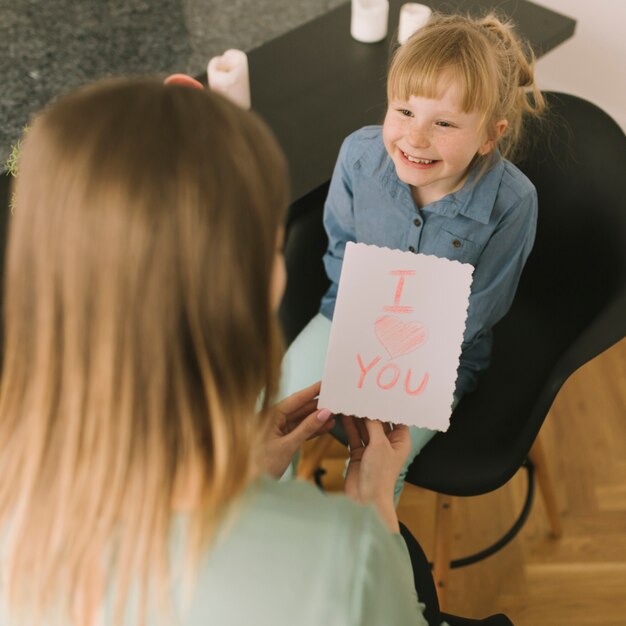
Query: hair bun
[(522, 54), (503, 30)]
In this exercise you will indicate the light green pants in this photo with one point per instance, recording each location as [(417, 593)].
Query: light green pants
[(303, 365)]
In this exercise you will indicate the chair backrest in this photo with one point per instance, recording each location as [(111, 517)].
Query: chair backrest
[(578, 265), (570, 305), (305, 245)]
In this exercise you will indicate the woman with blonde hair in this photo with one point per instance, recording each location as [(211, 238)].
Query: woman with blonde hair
[(142, 273)]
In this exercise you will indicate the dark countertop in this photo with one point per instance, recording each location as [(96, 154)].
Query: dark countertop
[(50, 47)]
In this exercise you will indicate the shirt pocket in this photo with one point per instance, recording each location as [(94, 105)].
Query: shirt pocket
[(451, 246)]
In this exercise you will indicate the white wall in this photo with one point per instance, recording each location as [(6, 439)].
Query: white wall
[(592, 64)]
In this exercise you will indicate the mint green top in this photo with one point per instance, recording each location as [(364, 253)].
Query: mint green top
[(294, 555)]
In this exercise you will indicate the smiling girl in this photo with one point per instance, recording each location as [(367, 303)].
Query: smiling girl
[(435, 179)]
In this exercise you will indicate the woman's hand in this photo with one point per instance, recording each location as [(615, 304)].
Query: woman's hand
[(295, 419), (377, 453)]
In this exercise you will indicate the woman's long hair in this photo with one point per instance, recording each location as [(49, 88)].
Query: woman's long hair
[(138, 335)]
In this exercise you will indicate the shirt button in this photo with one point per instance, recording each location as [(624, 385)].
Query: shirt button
[(456, 243), (411, 249), (417, 222)]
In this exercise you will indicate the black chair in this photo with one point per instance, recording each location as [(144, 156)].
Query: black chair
[(570, 307), (425, 585)]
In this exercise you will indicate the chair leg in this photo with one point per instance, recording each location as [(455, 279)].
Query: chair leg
[(441, 560), (313, 455), (538, 459)]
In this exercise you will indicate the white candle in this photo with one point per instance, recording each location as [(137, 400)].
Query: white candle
[(228, 75), (369, 20), (412, 17)]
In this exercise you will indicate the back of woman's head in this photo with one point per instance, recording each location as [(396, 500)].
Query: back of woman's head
[(490, 64), (138, 330)]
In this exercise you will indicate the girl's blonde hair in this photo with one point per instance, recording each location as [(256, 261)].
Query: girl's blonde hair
[(138, 336), (483, 56)]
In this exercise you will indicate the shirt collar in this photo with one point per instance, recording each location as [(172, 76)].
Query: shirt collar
[(477, 197), (474, 200)]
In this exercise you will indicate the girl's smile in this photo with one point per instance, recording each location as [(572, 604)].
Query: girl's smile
[(417, 162)]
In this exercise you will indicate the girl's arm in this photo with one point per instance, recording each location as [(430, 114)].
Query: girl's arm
[(339, 225), (496, 278)]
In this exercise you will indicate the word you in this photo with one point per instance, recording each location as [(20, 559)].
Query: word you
[(389, 375)]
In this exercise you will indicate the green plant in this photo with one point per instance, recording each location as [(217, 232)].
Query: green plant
[(12, 163)]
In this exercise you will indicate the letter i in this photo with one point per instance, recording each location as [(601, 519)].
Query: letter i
[(396, 307)]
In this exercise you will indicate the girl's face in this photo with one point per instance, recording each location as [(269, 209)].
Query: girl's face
[(432, 142)]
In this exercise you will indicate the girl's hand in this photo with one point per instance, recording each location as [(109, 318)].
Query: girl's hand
[(295, 419), (377, 453)]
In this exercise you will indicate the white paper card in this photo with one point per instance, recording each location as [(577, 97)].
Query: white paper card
[(396, 336)]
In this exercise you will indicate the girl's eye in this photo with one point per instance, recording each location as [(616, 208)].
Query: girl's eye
[(405, 112), (444, 124)]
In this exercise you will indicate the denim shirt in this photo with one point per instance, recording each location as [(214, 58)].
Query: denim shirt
[(489, 223)]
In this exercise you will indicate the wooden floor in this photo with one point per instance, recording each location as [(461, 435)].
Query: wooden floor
[(579, 580)]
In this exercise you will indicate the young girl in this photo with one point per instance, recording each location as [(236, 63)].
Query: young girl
[(142, 275), (435, 179)]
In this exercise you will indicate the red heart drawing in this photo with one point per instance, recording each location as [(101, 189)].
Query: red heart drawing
[(398, 337)]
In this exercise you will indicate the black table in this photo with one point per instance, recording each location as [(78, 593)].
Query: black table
[(315, 84)]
